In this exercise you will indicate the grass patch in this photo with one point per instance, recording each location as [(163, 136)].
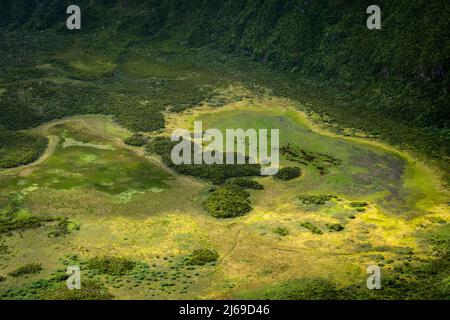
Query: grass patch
[(90, 290)]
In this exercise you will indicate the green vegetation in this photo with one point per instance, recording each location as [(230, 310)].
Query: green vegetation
[(90, 290), (311, 227), (64, 227), (155, 66), (111, 265), (322, 162), (29, 268), (32, 222), (228, 202), (288, 173), (282, 231), (334, 227), (318, 200), (18, 148), (200, 257), (245, 183), (136, 140), (217, 173), (358, 204)]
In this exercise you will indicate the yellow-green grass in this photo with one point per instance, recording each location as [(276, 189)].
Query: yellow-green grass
[(161, 222)]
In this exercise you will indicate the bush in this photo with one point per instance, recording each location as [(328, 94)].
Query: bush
[(216, 173), (335, 227), (245, 183), (202, 256), (311, 227), (26, 269), (282, 231), (137, 140), (288, 173), (319, 200), (32, 222), (111, 265), (228, 202), (63, 227), (358, 204)]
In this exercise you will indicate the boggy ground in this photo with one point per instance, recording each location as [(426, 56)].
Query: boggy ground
[(127, 204)]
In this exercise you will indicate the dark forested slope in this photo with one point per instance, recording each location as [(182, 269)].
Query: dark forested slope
[(368, 79)]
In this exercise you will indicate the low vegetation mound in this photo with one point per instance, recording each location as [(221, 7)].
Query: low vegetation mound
[(228, 202), (111, 265), (318, 200), (311, 227), (136, 140), (90, 290), (216, 173), (245, 183), (202, 256), (29, 268), (288, 173), (282, 231)]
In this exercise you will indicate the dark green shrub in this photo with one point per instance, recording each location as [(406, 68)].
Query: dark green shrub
[(23, 224), (356, 204), (228, 202), (216, 173), (311, 227), (137, 140), (202, 256), (26, 269), (245, 183), (335, 227), (319, 200), (111, 265), (288, 173), (2, 278), (282, 231)]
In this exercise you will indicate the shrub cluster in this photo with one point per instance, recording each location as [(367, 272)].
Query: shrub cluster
[(202, 256), (288, 173), (228, 202), (136, 140), (318, 200), (311, 227), (111, 265), (282, 231), (245, 183), (216, 173)]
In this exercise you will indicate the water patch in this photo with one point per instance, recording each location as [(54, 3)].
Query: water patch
[(69, 142)]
